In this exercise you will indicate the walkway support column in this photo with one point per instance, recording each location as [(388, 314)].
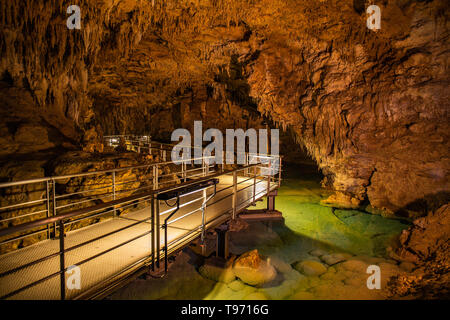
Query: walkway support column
[(271, 200), (222, 241)]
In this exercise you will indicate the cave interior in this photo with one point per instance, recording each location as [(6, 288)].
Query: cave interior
[(362, 114)]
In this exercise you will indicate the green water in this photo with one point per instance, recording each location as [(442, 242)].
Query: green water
[(353, 231), (308, 226)]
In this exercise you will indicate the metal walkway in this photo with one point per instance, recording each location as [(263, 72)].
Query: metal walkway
[(123, 241)]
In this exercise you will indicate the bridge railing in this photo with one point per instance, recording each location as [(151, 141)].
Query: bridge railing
[(251, 176), (142, 144), (28, 200), (58, 222)]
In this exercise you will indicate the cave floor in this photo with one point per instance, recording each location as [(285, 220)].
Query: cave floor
[(344, 242)]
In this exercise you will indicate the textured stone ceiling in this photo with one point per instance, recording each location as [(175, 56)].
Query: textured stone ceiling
[(370, 107)]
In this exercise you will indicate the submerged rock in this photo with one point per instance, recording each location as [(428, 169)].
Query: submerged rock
[(318, 253), (356, 266), (256, 296), (236, 285), (252, 269), (213, 269), (302, 295), (334, 258), (310, 268), (280, 265), (341, 200)]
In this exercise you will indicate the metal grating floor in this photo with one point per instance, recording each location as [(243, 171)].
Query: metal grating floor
[(104, 266)]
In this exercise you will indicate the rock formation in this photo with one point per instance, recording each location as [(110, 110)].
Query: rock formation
[(425, 246), (370, 107), (252, 269)]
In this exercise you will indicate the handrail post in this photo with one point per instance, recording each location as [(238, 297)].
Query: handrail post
[(223, 161), (62, 267), (254, 185), (158, 234), (203, 167), (234, 194), (182, 170), (206, 166), (279, 171), (246, 164), (54, 205), (155, 177), (155, 221), (48, 208), (268, 179), (166, 242), (202, 237), (114, 191), (153, 238)]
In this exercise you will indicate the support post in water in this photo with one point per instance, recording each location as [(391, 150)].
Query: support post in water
[(222, 241)]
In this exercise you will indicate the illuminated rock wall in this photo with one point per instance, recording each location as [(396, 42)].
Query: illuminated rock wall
[(370, 107)]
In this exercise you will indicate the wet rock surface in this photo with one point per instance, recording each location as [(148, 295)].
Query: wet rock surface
[(310, 268), (252, 269), (219, 271), (424, 252)]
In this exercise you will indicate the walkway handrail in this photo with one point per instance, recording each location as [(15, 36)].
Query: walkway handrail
[(83, 174), (58, 218)]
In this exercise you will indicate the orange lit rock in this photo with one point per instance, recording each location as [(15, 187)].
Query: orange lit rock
[(252, 269)]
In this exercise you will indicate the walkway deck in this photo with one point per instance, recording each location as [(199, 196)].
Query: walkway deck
[(117, 261)]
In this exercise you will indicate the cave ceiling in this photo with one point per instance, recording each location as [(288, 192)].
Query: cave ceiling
[(371, 108)]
